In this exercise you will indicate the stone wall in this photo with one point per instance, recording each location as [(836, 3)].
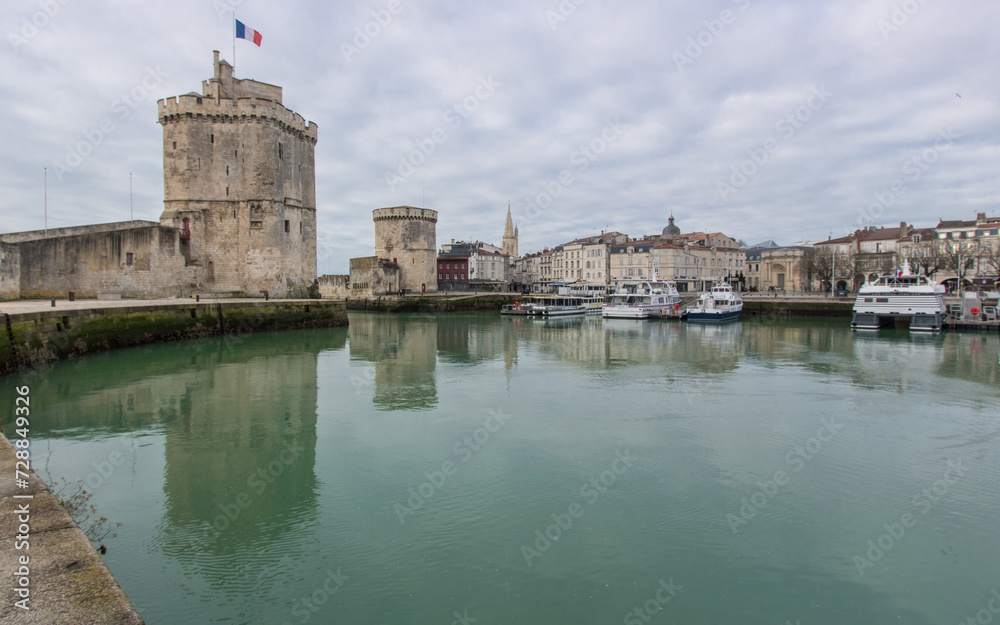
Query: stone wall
[(372, 275), (334, 287), (10, 271), (408, 236), (140, 261), (32, 339)]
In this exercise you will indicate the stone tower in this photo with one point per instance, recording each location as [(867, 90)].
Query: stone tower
[(509, 243), (239, 183), (408, 236)]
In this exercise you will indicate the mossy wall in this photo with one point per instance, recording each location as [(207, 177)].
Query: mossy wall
[(32, 339)]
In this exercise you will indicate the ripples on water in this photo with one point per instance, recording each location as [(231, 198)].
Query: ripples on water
[(254, 476)]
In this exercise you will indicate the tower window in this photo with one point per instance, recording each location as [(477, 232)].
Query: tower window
[(175, 145), (128, 259), (212, 138), (227, 170), (279, 151), (227, 191), (236, 153), (286, 226)]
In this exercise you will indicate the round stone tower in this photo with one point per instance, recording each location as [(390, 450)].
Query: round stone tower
[(408, 236)]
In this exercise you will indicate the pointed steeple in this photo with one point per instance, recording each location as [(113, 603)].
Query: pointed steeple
[(509, 244)]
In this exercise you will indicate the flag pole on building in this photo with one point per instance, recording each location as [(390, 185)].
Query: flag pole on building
[(131, 218), (234, 42), (46, 201)]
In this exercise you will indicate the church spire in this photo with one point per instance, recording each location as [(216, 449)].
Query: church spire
[(509, 244)]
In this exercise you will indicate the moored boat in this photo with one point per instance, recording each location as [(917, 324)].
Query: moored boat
[(900, 295), (642, 299), (719, 304)]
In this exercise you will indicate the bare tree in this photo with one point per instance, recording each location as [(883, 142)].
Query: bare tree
[(928, 260), (991, 257), (959, 256)]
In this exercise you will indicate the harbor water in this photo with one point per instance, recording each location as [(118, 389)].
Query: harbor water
[(418, 469)]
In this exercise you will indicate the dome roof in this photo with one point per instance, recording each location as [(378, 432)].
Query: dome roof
[(671, 230)]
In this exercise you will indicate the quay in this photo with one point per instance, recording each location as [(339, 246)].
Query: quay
[(68, 582), (37, 332)]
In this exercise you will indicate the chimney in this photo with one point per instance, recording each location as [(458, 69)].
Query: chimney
[(215, 63), (980, 218)]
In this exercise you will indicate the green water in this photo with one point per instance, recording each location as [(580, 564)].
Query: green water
[(408, 468)]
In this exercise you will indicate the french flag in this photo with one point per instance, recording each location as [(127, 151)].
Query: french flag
[(242, 32)]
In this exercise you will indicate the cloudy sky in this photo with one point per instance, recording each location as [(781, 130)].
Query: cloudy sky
[(765, 119)]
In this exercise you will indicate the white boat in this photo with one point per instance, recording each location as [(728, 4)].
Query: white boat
[(554, 306), (720, 304), (641, 299), (900, 295)]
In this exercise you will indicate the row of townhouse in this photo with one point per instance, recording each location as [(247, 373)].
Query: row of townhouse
[(591, 265), (949, 253)]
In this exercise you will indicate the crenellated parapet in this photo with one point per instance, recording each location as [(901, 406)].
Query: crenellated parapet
[(240, 110), (405, 213)]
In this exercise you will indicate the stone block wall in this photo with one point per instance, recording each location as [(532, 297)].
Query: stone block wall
[(372, 276), (143, 262), (334, 287), (10, 271)]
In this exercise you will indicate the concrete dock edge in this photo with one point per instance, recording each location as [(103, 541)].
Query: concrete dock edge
[(69, 582)]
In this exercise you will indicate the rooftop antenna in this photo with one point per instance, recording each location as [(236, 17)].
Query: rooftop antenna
[(46, 201), (423, 194), (131, 214)]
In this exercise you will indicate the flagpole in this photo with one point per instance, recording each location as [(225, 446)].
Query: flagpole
[(46, 201), (234, 42)]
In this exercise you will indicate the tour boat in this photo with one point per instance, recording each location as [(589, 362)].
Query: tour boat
[(642, 299), (900, 295), (554, 306), (721, 304)]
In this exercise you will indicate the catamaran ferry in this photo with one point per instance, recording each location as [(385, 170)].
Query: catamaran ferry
[(900, 295)]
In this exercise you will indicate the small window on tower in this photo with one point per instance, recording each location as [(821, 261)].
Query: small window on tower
[(175, 145), (236, 153), (227, 170), (286, 226), (256, 225), (227, 191), (279, 151), (128, 259), (212, 138)]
